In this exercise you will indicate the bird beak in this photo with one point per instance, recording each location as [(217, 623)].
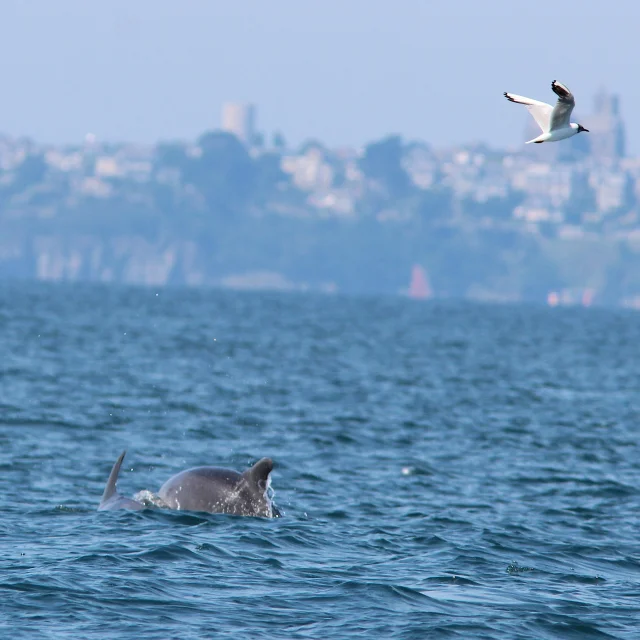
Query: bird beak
[(587, 130)]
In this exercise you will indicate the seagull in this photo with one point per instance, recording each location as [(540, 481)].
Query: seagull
[(554, 121)]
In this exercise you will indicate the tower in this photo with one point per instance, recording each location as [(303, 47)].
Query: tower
[(239, 118), (606, 129)]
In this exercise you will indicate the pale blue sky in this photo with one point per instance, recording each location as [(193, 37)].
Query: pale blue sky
[(343, 71)]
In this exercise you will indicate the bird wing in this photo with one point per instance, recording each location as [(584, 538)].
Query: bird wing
[(541, 111), (564, 106)]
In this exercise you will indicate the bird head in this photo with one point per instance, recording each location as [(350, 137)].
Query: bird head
[(581, 128)]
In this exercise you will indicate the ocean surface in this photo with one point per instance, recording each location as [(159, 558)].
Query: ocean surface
[(444, 470)]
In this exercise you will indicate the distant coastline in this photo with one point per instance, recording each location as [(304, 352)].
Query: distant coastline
[(557, 226)]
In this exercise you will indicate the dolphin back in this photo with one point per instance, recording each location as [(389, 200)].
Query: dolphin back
[(217, 490)]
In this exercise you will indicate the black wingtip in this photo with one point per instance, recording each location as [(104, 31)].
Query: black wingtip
[(560, 90)]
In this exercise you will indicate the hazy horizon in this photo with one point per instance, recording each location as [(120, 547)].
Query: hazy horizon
[(342, 73)]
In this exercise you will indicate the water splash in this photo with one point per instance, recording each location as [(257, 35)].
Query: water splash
[(150, 499)]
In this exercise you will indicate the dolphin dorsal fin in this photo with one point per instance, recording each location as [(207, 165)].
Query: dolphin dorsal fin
[(259, 471), (110, 489)]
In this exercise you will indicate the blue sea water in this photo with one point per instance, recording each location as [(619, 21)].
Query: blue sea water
[(445, 470)]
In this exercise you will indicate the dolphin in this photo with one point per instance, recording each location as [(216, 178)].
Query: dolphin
[(216, 490), (111, 499)]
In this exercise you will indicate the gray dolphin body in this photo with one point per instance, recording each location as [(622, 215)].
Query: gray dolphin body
[(209, 489), (216, 490), (111, 499)]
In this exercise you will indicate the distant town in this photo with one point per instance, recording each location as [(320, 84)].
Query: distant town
[(554, 223)]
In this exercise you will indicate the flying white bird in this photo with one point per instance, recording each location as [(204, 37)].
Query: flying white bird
[(554, 121)]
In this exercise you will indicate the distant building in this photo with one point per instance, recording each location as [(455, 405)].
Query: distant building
[(309, 170), (606, 129), (614, 190), (239, 118)]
